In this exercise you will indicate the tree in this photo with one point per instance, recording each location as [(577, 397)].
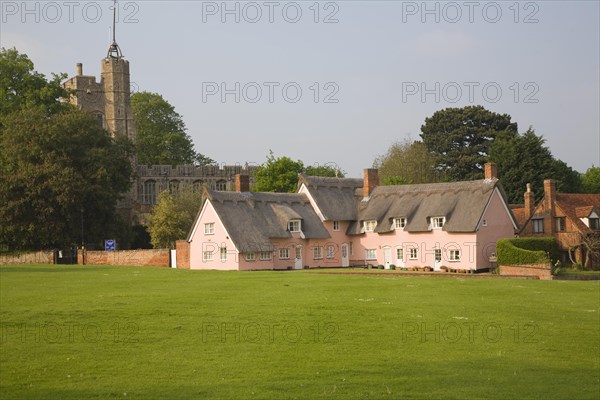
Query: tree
[(161, 133), (21, 86), (523, 159), (406, 162), (278, 175), (60, 172), (459, 139), (172, 217), (590, 181), (332, 171)]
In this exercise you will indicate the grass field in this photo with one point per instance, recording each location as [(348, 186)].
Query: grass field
[(71, 332)]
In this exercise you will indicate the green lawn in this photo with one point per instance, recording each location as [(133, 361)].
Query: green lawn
[(71, 332)]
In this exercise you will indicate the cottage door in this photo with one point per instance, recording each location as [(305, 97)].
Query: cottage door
[(345, 261), (387, 257), (298, 263)]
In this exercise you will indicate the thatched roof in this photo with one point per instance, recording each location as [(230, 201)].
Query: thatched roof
[(461, 203), (335, 197), (253, 219)]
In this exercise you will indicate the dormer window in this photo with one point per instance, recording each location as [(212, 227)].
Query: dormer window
[(399, 223), (294, 225), (370, 225), (594, 224), (437, 222)]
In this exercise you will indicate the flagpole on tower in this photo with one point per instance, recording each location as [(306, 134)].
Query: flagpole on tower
[(114, 51)]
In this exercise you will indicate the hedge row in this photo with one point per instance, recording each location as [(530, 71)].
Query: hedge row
[(519, 251)]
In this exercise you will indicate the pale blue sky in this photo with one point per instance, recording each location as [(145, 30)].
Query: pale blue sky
[(377, 58)]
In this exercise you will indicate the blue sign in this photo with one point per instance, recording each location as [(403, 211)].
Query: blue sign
[(109, 245)]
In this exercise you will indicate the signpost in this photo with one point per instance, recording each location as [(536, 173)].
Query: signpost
[(109, 245)]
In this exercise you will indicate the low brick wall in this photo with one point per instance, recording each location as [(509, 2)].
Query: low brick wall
[(144, 258), (542, 271), (38, 257), (183, 254)]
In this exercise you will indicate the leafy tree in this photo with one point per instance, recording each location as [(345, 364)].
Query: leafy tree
[(406, 162), (459, 139), (21, 86), (58, 170), (332, 171), (172, 217), (161, 133), (523, 159), (278, 175), (591, 180)]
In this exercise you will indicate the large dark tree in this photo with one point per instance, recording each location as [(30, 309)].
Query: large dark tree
[(161, 133), (460, 138), (525, 158), (59, 171)]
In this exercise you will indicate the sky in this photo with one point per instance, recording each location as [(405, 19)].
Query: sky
[(335, 82)]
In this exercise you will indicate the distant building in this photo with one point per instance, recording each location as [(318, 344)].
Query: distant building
[(110, 102), (344, 222)]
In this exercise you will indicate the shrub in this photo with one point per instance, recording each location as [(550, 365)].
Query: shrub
[(392, 267), (518, 251)]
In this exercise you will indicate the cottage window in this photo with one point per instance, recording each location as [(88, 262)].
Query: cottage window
[(207, 255), (371, 254), (250, 256), (594, 223), (209, 228), (454, 255), (413, 253), (538, 225), (317, 252), (336, 225), (294, 225), (223, 253), (560, 224), (149, 192), (284, 253), (370, 225), (330, 251), (437, 222), (399, 223), (400, 254), (265, 255)]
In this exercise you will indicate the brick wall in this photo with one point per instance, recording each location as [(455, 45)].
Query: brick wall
[(183, 254), (542, 271), (144, 258), (38, 257)]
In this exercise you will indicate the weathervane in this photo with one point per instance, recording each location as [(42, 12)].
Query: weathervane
[(114, 51)]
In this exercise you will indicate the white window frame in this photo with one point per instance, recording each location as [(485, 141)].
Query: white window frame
[(330, 251), (284, 253), (266, 255), (399, 223), (295, 225), (437, 222), (537, 225), (207, 255), (209, 228), (413, 253), (317, 252), (371, 254), (454, 255), (437, 254), (223, 253), (370, 225), (336, 225), (399, 253), (250, 256)]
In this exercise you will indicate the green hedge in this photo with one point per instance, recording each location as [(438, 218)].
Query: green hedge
[(520, 251)]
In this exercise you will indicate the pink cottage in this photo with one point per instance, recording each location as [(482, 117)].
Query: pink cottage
[(341, 222)]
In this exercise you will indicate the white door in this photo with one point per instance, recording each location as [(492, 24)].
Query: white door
[(400, 257), (298, 264), (387, 257), (345, 260)]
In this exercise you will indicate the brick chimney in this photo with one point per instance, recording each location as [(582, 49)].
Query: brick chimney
[(371, 181), (549, 199), (490, 171), (529, 202), (242, 183)]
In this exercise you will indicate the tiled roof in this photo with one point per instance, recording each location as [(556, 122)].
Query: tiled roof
[(575, 207)]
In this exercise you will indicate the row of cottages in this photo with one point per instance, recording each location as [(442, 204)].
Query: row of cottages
[(345, 222), (573, 219)]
